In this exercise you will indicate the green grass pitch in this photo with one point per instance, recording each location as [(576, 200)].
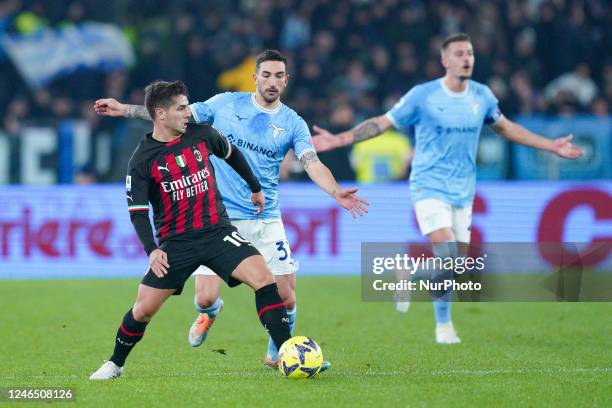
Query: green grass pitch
[(56, 333)]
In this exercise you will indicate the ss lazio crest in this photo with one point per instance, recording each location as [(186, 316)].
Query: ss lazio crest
[(276, 130)]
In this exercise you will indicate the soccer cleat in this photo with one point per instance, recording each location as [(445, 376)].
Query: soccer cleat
[(108, 371), (402, 307), (200, 328), (269, 362), (446, 334), (402, 300)]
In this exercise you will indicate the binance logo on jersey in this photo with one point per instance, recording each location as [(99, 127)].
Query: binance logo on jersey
[(270, 154), (459, 129), (456, 129)]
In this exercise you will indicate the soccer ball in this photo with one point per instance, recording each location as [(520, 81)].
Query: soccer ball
[(300, 357)]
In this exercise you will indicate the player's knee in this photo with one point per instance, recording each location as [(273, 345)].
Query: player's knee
[(142, 313), (261, 277), (204, 299), (441, 235)]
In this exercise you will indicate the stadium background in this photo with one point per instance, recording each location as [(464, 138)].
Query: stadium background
[(63, 212), (549, 63)]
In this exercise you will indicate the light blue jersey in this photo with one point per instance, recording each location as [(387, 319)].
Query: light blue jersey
[(263, 136), (447, 127)]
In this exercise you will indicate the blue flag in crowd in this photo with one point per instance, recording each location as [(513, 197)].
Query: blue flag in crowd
[(52, 53)]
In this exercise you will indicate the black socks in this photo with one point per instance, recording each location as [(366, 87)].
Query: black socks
[(130, 332), (272, 314)]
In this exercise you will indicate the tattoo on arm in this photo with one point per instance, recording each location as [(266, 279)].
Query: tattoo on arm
[(137, 112), (308, 158), (366, 130)]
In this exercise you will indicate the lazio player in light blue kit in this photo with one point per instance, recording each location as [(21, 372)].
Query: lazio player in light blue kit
[(264, 129), (447, 115), (264, 136)]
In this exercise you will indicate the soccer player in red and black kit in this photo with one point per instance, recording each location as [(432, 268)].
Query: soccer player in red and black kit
[(171, 169)]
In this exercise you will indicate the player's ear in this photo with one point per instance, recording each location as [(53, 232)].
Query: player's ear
[(443, 59), (160, 113), (286, 79)]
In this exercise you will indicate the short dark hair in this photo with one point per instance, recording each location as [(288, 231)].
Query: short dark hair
[(455, 38), (269, 55), (160, 93)]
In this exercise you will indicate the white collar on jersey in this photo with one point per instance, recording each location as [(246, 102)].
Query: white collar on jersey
[(261, 108), (454, 94)]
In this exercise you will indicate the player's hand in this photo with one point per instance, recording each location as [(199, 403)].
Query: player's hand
[(109, 107), (564, 147), (323, 140), (355, 205), (259, 200), (158, 261)]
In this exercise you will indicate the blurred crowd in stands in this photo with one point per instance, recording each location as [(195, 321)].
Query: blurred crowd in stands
[(349, 59)]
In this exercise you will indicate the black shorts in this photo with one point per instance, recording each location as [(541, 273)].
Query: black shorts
[(217, 250)]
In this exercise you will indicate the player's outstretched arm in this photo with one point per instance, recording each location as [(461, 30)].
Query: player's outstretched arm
[(320, 174), (112, 107), (562, 146), (323, 140)]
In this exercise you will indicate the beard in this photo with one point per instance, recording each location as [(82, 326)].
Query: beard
[(464, 78), (270, 99)]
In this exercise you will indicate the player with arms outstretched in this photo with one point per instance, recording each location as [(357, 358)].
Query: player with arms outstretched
[(171, 169), (264, 129), (447, 115)]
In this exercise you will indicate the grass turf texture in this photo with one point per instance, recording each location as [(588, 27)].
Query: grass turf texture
[(56, 333)]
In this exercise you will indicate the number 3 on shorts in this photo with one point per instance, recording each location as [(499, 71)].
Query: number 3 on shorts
[(280, 245)]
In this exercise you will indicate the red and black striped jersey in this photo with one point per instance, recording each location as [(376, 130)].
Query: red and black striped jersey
[(178, 179)]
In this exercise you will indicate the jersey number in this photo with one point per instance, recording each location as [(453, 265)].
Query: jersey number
[(235, 239), (281, 248)]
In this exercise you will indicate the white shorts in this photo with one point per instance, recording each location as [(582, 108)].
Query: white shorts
[(433, 214), (268, 236)]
